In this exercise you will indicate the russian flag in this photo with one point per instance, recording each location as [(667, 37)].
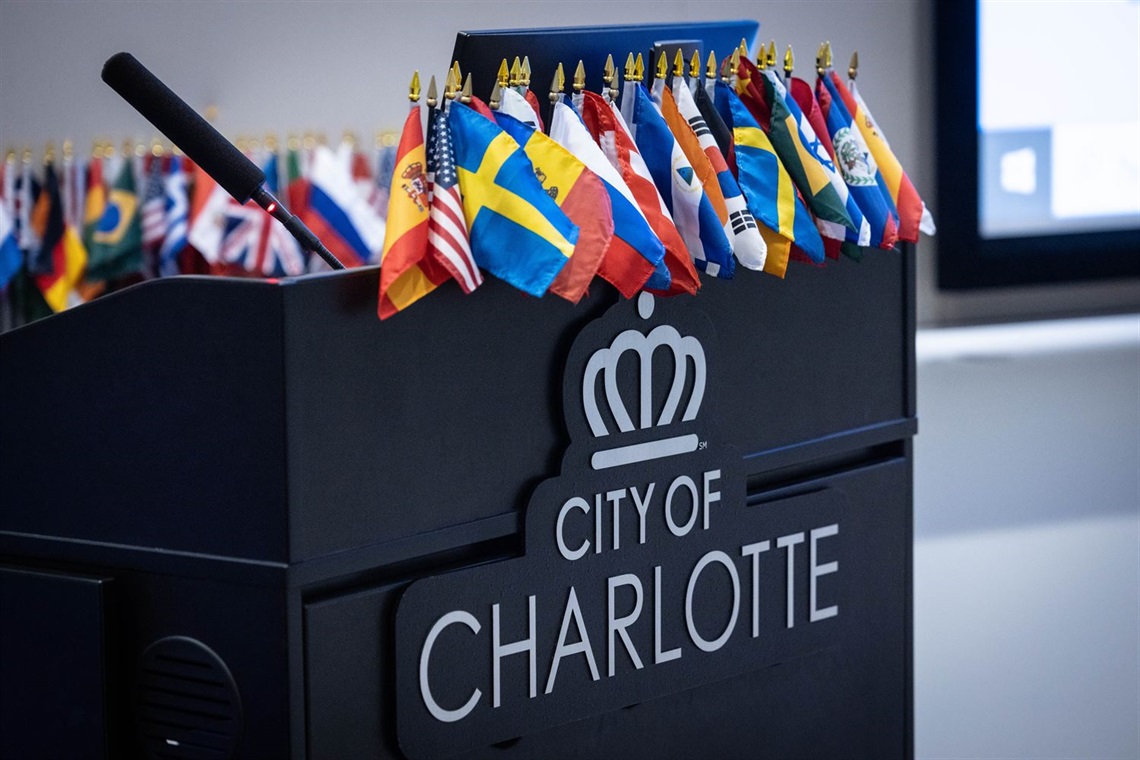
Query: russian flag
[(339, 215)]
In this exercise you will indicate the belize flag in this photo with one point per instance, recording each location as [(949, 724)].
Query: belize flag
[(857, 165)]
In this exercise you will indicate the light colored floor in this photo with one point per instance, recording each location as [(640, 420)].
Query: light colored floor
[(1027, 543)]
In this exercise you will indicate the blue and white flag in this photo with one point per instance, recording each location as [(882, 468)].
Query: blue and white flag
[(177, 210), (692, 212)]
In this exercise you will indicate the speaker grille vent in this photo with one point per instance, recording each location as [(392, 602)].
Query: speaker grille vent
[(187, 705)]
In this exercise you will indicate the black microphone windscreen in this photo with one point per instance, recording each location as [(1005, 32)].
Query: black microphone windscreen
[(183, 126)]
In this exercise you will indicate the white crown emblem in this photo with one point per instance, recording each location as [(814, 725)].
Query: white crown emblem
[(604, 364)]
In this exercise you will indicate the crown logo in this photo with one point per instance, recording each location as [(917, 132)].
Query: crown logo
[(688, 354)]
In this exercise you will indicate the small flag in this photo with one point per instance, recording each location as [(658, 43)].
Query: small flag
[(533, 100), (634, 253), (580, 195), (153, 212), (176, 211), (27, 192), (609, 129), (338, 215), (116, 241), (767, 187), (801, 101), (515, 105), (747, 243), (385, 166), (448, 244), (11, 259), (60, 246), (857, 165), (799, 155), (517, 231), (405, 273), (913, 214), (679, 186)]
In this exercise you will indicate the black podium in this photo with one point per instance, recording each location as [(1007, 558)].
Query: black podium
[(218, 496), (247, 519)]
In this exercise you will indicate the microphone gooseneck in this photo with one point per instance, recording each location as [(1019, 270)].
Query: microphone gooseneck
[(194, 136)]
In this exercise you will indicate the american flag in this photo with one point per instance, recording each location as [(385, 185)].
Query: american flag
[(154, 204), (447, 230), (256, 241)]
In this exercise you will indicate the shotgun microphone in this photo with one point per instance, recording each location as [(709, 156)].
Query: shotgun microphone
[(194, 136)]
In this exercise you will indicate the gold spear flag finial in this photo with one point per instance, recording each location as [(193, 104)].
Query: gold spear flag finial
[(68, 150), (496, 95), (662, 66), (820, 52), (96, 149), (156, 148), (789, 62), (761, 59), (639, 69), (743, 47), (608, 70), (466, 93), (458, 74), (516, 72), (503, 78), (614, 84), (49, 153), (629, 66), (827, 54), (432, 93), (853, 67), (414, 87), (726, 70), (271, 142), (580, 77), (557, 84), (450, 85), (733, 63), (695, 65), (771, 54), (678, 64), (710, 66), (525, 81)]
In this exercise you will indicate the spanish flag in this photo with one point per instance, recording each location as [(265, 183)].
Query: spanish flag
[(406, 275)]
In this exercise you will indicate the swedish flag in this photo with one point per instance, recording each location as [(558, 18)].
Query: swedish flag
[(518, 233)]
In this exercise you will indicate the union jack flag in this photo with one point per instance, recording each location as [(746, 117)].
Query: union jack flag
[(255, 240)]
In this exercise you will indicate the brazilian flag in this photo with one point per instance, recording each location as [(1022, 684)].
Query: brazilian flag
[(115, 248)]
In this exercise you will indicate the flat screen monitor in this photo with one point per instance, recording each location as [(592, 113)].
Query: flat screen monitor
[(1038, 147)]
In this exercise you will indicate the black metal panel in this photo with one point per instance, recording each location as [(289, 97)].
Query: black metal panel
[(849, 698), (153, 417), (56, 676)]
